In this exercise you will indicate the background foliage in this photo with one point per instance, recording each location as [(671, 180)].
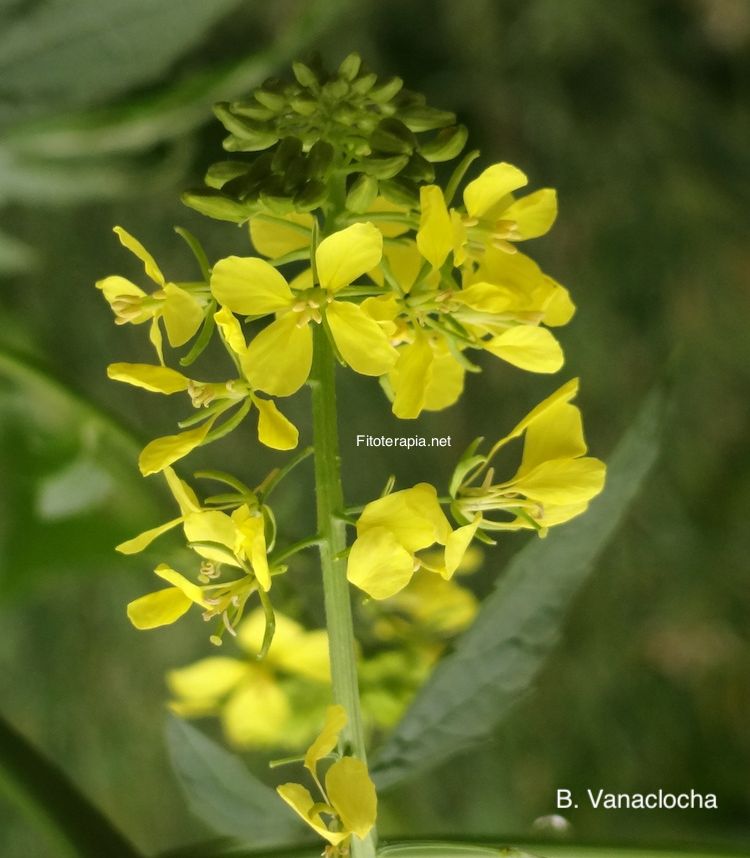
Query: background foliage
[(638, 114)]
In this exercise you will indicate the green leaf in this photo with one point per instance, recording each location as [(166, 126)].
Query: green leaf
[(225, 795), (15, 256), (497, 659), (65, 54), (50, 797)]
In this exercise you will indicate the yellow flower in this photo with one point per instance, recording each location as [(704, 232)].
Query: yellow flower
[(180, 309), (274, 429), (555, 480), (348, 793), (279, 359), (390, 533), (268, 703), (236, 540), (493, 217), (164, 607)]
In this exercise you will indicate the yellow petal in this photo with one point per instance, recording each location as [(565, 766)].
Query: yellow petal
[(181, 491), (208, 679), (563, 481), (533, 214), (348, 254), (560, 308), (249, 286), (161, 452), (352, 795), (278, 360), (301, 802), (435, 234), (389, 230), (328, 737), (486, 297), (527, 347), (115, 286), (187, 588), (273, 236), (457, 545), (495, 183), (231, 331), (446, 381), (135, 247), (156, 340), (309, 657), (411, 378), (251, 536), (212, 525), (255, 715), (379, 564), (413, 515), (143, 540), (161, 608), (293, 650), (274, 430), (360, 340), (563, 394), (555, 434), (182, 314), (157, 379)]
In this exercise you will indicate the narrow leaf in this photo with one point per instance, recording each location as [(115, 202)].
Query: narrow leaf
[(225, 795), (497, 659), (46, 793)]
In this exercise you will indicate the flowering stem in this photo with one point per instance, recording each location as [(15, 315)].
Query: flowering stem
[(332, 532)]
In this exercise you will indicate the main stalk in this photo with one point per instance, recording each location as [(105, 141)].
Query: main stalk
[(332, 530)]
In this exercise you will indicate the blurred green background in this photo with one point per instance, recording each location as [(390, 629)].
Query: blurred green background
[(638, 113)]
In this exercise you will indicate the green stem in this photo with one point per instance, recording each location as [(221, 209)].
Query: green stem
[(332, 531)]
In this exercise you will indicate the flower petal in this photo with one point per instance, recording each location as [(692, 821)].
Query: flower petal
[(411, 377), (255, 715), (555, 434), (187, 588), (278, 360), (161, 608), (157, 379), (182, 314), (231, 331), (446, 381), (563, 482), (207, 679), (328, 737), (135, 247), (413, 515), (361, 341), (491, 186), (274, 430), (534, 213), (379, 564), (527, 347), (457, 545), (301, 802), (161, 452), (249, 286), (352, 795), (251, 534), (143, 540), (274, 236), (348, 254), (435, 234)]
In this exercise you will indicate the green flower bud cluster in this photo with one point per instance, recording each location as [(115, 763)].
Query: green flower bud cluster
[(346, 130)]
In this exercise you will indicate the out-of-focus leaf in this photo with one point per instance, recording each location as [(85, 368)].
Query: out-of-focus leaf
[(225, 795), (15, 256), (63, 54), (497, 659), (174, 110), (78, 487), (533, 850), (45, 792)]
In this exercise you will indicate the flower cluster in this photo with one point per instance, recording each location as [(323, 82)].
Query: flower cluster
[(349, 803)]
